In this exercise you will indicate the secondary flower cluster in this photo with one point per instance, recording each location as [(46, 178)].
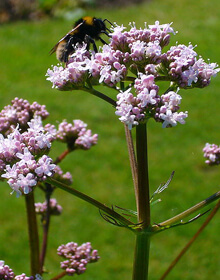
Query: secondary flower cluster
[(76, 135), (212, 154), (6, 273), (77, 257), (20, 112), (21, 162), (60, 176), (25, 143), (136, 59), (24, 277), (55, 208), (136, 108), (186, 69)]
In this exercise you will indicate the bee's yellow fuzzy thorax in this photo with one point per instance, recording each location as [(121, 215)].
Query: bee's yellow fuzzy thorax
[(88, 20)]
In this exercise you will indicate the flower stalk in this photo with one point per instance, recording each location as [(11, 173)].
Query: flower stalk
[(62, 156), (132, 158), (143, 197), (97, 204), (46, 224), (59, 276), (33, 234), (100, 95), (141, 256), (192, 240), (142, 246), (189, 211)]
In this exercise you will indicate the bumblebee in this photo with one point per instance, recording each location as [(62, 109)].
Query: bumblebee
[(87, 29)]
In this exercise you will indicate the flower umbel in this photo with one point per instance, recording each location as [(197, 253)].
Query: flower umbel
[(75, 135), (55, 208), (77, 257), (212, 154), (21, 161), (24, 147), (133, 63), (5, 271), (20, 112)]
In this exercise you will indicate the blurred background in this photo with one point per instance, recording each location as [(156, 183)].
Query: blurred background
[(28, 30), (11, 10)]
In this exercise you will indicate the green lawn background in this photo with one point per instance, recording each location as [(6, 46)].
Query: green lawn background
[(103, 172)]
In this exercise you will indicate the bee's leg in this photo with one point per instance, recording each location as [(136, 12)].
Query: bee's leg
[(108, 21), (68, 49), (87, 40), (94, 46), (103, 42), (106, 33)]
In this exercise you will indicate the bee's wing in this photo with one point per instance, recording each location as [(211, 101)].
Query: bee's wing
[(71, 32)]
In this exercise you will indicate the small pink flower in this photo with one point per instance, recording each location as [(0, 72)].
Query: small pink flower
[(212, 154), (45, 166)]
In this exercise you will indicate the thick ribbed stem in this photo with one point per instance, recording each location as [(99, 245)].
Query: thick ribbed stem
[(141, 256), (33, 234), (143, 197), (142, 246)]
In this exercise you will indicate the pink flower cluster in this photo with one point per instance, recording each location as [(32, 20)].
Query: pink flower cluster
[(55, 208), (20, 112), (25, 143), (111, 64), (73, 76), (6, 273), (21, 162), (212, 154), (186, 69), (24, 277), (146, 103), (136, 58), (76, 135), (60, 176), (77, 257)]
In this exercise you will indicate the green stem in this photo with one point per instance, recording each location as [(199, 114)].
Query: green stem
[(132, 159), (45, 224), (92, 201), (189, 211), (100, 95), (142, 247), (141, 256), (33, 234), (62, 156), (192, 240), (143, 196), (62, 274)]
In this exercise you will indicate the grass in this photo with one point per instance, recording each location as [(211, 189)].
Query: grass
[(103, 172)]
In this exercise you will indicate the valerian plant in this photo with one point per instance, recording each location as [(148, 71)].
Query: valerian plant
[(25, 164), (134, 64)]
